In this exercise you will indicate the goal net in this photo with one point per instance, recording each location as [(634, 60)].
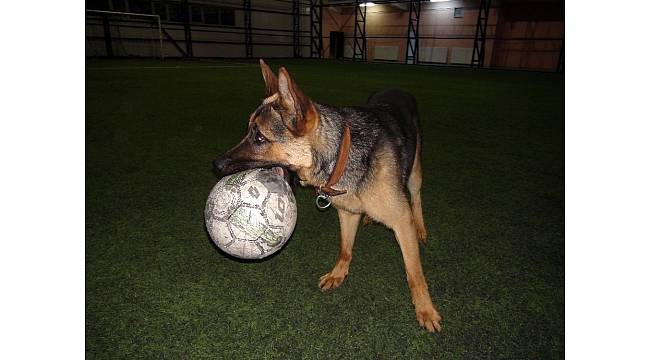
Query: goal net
[(111, 33)]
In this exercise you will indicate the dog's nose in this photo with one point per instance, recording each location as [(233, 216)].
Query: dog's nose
[(220, 164)]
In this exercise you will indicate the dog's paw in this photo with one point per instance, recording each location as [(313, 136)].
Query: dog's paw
[(330, 281), (429, 319), (422, 234)]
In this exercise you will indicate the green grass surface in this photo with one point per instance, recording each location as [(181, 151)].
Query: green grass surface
[(493, 154)]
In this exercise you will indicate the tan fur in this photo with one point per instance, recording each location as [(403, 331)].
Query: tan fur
[(349, 223), (384, 202), (270, 99), (298, 103), (270, 80), (296, 152), (414, 185)]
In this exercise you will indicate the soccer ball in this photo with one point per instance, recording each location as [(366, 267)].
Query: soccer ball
[(251, 214)]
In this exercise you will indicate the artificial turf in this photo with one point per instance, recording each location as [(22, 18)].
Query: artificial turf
[(156, 287)]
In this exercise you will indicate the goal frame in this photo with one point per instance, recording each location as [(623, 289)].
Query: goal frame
[(155, 17)]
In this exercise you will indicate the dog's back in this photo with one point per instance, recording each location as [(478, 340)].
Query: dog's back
[(403, 126), (397, 99)]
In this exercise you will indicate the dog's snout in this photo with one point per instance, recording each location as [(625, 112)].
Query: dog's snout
[(220, 164)]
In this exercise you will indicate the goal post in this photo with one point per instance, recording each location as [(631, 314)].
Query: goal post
[(111, 32)]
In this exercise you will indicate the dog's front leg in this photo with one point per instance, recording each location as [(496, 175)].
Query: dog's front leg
[(349, 223)]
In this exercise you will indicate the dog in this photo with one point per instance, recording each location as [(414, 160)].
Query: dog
[(362, 160)]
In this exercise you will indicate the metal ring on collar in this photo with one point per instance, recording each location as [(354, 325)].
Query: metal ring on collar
[(323, 201)]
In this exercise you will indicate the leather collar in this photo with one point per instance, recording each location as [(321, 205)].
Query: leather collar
[(339, 167)]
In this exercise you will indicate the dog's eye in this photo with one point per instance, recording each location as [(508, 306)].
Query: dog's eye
[(259, 138)]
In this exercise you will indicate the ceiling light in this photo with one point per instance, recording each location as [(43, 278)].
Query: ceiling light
[(367, 4)]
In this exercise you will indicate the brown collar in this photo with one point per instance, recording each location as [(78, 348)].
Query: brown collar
[(339, 167)]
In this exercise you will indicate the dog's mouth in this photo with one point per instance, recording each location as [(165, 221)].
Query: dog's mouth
[(289, 176), (281, 171), (226, 166)]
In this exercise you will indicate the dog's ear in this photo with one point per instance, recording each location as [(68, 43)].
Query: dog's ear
[(296, 102), (270, 79)]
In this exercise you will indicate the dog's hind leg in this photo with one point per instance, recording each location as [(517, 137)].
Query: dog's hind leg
[(394, 212), (349, 223), (415, 185)]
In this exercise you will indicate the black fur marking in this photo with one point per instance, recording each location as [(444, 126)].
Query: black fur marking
[(387, 123)]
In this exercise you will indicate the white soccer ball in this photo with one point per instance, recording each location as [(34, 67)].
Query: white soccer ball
[(251, 214)]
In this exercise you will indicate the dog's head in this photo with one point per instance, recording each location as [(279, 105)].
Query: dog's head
[(279, 130)]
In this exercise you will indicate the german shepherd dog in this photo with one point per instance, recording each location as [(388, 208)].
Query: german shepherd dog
[(382, 177)]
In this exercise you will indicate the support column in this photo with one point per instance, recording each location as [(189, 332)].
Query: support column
[(478, 53), (359, 49), (107, 36), (413, 33), (316, 28), (248, 33), (296, 29), (187, 27)]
